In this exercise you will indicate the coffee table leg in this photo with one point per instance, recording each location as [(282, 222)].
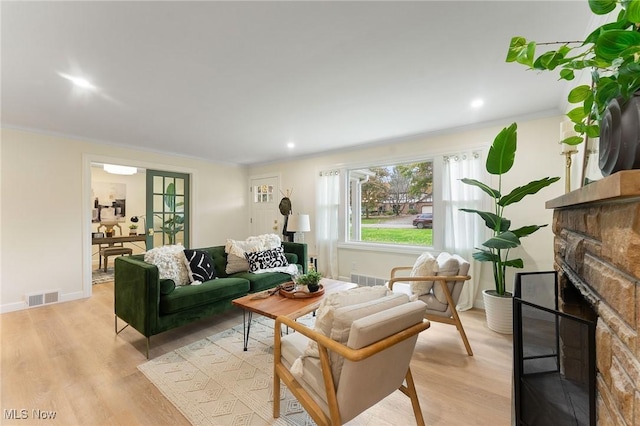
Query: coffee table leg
[(246, 327)]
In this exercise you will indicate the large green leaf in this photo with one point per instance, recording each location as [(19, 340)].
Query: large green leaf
[(515, 47), (602, 7), (170, 197), (611, 44), (514, 263), (485, 256), (492, 220), (527, 230), (503, 151), (633, 11), (579, 94), (577, 114), (505, 240), (531, 188), (494, 193)]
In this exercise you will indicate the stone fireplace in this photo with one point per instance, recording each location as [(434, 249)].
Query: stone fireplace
[(597, 256)]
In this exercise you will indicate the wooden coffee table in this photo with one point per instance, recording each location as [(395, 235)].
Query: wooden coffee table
[(276, 305)]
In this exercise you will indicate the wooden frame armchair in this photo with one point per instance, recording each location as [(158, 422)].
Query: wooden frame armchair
[(375, 364), (451, 287)]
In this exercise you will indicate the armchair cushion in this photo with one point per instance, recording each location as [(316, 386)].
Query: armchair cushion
[(325, 316), (343, 319), (447, 266), (324, 319), (425, 266)]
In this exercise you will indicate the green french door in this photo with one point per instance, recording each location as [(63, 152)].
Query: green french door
[(168, 208)]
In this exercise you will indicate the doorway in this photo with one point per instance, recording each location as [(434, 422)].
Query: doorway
[(265, 197), (134, 196)]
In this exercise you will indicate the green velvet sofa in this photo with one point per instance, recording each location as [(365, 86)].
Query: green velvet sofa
[(152, 305)]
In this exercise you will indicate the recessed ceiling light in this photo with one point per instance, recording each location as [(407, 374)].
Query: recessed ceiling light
[(477, 103), (291, 145), (78, 81)]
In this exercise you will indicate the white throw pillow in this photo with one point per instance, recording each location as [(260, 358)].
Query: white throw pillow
[(447, 266), (170, 263), (426, 265), (236, 260)]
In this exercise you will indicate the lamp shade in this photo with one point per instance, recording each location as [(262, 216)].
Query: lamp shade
[(299, 223)]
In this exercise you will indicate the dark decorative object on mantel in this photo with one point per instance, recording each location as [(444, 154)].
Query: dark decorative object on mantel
[(620, 136)]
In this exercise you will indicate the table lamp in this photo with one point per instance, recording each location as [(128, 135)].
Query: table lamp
[(299, 224)]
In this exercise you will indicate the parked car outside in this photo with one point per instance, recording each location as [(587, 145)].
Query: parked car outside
[(424, 220)]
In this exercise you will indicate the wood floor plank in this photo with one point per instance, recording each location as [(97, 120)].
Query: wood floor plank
[(67, 358)]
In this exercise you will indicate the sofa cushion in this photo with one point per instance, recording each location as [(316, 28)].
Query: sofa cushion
[(200, 265), (187, 297), (263, 281), (273, 258), (170, 262)]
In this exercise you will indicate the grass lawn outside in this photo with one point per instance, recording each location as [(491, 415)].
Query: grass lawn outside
[(409, 236)]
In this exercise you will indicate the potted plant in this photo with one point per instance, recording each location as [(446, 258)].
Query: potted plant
[(133, 229), (497, 249), (610, 52), (311, 279)]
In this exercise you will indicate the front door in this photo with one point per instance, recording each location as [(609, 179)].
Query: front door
[(167, 208), (265, 215)]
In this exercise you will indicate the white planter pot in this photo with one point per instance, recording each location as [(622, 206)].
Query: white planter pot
[(499, 311)]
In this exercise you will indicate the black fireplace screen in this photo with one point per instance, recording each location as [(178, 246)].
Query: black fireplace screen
[(554, 357)]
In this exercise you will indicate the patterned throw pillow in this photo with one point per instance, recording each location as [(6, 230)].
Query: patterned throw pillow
[(266, 259), (200, 265)]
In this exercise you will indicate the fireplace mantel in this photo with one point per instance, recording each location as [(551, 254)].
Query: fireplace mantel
[(619, 186), (597, 251)]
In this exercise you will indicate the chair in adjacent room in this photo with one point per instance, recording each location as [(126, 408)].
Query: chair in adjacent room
[(441, 289), (112, 249), (365, 359)]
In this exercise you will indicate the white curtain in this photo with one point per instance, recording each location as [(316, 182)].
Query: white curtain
[(327, 225), (464, 231)]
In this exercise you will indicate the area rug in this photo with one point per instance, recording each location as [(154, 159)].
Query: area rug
[(214, 382), (99, 276)]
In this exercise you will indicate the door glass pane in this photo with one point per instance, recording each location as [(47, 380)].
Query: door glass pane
[(157, 184), (179, 186), (158, 204)]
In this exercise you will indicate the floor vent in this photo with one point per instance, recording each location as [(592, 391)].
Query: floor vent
[(36, 299), (363, 280)]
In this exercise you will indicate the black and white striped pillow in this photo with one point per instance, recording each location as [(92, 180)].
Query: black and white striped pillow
[(273, 258), (200, 265)]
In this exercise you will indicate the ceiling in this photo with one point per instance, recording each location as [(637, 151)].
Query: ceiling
[(237, 81)]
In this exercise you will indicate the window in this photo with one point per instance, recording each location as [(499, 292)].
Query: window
[(392, 204)]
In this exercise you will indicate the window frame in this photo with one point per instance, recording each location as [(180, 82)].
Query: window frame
[(438, 207)]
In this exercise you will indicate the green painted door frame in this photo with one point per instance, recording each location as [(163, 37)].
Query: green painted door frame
[(167, 208)]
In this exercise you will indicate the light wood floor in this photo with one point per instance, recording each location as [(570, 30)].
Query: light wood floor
[(66, 358)]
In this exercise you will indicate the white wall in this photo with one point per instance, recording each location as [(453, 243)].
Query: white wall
[(538, 156), (43, 214), (46, 224)]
